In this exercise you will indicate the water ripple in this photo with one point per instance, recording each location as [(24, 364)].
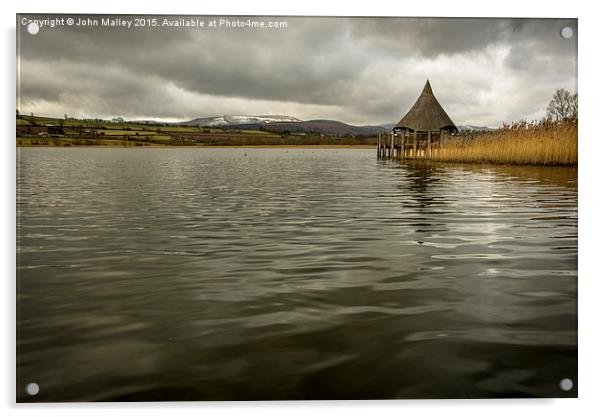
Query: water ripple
[(291, 274)]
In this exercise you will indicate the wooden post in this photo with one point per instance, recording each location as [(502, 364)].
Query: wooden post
[(402, 145), (392, 153), (415, 144), (385, 145), (378, 144), (428, 143)]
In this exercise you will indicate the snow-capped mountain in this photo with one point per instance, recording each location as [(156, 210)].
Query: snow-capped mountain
[(228, 120), (466, 128), (289, 124)]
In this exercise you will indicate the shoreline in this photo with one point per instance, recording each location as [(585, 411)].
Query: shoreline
[(204, 146)]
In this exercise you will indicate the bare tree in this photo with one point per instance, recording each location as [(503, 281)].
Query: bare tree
[(564, 105)]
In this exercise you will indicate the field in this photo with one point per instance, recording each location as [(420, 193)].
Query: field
[(47, 131), (542, 143)]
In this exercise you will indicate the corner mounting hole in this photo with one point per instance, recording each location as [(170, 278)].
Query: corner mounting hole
[(32, 388), (33, 28), (566, 384), (566, 32)]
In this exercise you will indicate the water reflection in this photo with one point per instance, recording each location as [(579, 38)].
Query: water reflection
[(291, 274)]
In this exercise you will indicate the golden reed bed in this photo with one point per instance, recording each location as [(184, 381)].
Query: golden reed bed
[(522, 143)]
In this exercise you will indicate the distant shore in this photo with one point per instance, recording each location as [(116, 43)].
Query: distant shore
[(538, 143), (155, 146), (54, 132)]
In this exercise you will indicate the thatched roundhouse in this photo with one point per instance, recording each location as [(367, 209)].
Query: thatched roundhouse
[(420, 132), (426, 115)]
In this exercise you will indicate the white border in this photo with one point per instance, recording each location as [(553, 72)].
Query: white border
[(590, 139)]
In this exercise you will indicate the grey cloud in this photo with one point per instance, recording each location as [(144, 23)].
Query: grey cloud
[(365, 70)]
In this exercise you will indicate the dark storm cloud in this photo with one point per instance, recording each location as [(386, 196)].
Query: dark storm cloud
[(431, 37), (359, 70)]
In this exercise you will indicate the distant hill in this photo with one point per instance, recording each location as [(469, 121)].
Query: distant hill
[(324, 127), (283, 125), (465, 128), (230, 120), (388, 126), (461, 128)]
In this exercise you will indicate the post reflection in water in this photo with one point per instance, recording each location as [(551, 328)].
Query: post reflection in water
[(175, 274)]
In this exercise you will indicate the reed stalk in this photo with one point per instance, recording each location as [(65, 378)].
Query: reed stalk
[(522, 143)]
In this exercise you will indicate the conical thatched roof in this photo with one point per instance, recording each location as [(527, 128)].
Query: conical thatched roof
[(426, 114)]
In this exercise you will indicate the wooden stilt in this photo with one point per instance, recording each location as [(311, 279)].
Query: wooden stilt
[(415, 144), (428, 144), (402, 146)]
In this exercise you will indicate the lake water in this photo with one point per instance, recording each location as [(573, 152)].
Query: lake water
[(210, 274)]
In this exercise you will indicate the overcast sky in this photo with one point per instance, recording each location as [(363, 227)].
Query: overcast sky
[(356, 70)]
